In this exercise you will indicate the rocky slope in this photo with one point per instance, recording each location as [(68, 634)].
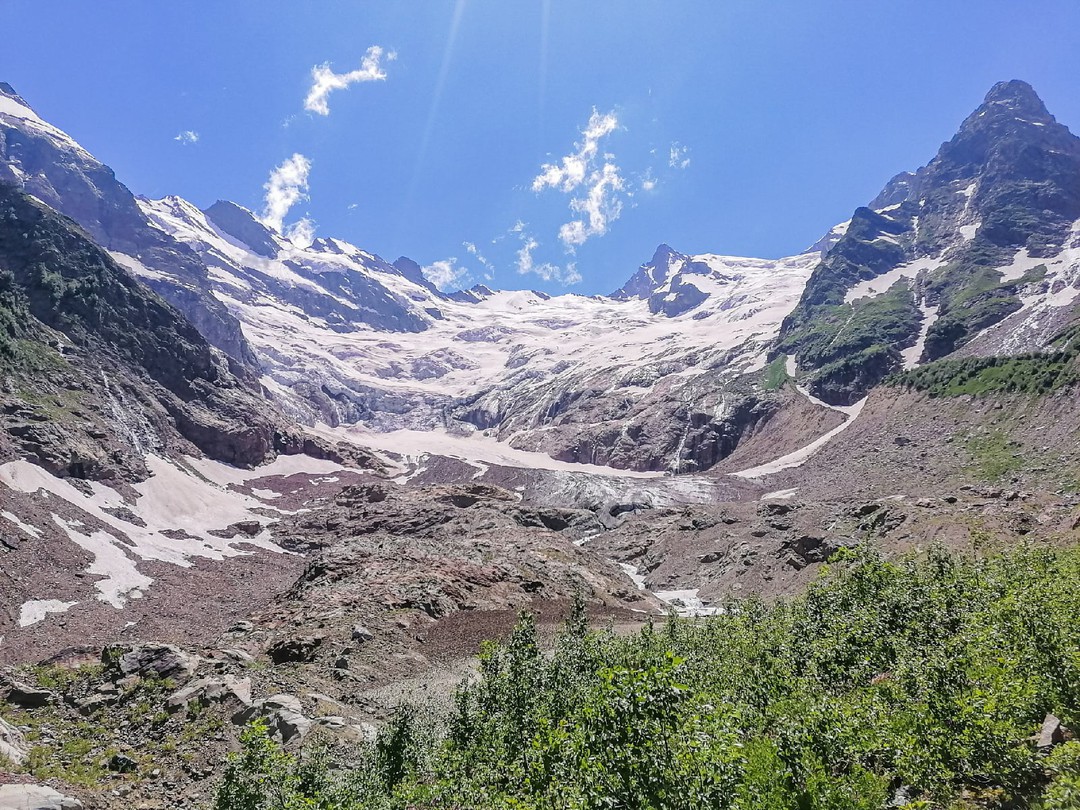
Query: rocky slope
[(976, 252), (48, 164), (98, 370), (717, 427)]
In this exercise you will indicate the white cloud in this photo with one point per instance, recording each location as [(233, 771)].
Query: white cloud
[(488, 266), (571, 171), (547, 271), (601, 206), (301, 233), (601, 203), (446, 275), (288, 185), (187, 137), (324, 81), (678, 156)]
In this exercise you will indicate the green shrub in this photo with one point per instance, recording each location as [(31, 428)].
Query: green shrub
[(922, 679)]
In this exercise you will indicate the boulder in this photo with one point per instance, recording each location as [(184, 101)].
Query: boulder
[(206, 691), (150, 660), (12, 743), (300, 648), (35, 797), (122, 763), (1052, 733), (361, 635), (284, 718), (29, 697)]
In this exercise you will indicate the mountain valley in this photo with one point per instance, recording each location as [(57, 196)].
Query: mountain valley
[(245, 477)]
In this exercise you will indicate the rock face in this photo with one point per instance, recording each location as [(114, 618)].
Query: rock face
[(283, 716), (979, 249), (156, 660), (112, 371), (13, 746), (48, 164), (35, 797), (19, 694), (231, 691)]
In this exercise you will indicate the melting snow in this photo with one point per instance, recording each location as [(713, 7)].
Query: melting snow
[(476, 449), (799, 457), (780, 494), (33, 531), (36, 610), (632, 572), (881, 284), (1022, 262), (687, 603), (191, 500), (912, 354)]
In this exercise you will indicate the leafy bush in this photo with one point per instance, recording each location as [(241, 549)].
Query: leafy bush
[(1032, 373), (910, 683)]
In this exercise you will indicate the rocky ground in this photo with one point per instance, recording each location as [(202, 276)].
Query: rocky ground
[(388, 588)]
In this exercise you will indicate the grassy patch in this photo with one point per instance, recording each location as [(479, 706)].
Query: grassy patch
[(1033, 373), (995, 457), (776, 375)]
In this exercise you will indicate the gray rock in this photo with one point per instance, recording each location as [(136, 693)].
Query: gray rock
[(206, 691), (283, 716), (94, 703), (301, 648), (361, 634), (35, 797), (12, 743), (1052, 733), (153, 660), (29, 697), (122, 763)]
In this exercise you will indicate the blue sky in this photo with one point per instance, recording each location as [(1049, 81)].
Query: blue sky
[(746, 128)]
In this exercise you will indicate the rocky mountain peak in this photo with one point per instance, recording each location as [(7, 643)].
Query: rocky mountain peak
[(1015, 98), (652, 274), (240, 223), (9, 91)]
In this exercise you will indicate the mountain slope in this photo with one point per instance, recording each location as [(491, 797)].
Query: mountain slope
[(48, 164), (97, 369), (983, 237), (653, 382)]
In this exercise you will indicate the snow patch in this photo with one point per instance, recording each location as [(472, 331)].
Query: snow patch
[(180, 504), (912, 354), (33, 531), (798, 457), (687, 603), (36, 610), (878, 285), (632, 572), (780, 494)]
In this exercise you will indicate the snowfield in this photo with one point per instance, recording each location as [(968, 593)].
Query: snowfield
[(337, 320), (180, 505)]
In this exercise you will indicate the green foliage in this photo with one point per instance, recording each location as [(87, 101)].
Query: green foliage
[(776, 375), (927, 674), (971, 296), (53, 276), (1063, 792), (994, 457), (1034, 373)]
